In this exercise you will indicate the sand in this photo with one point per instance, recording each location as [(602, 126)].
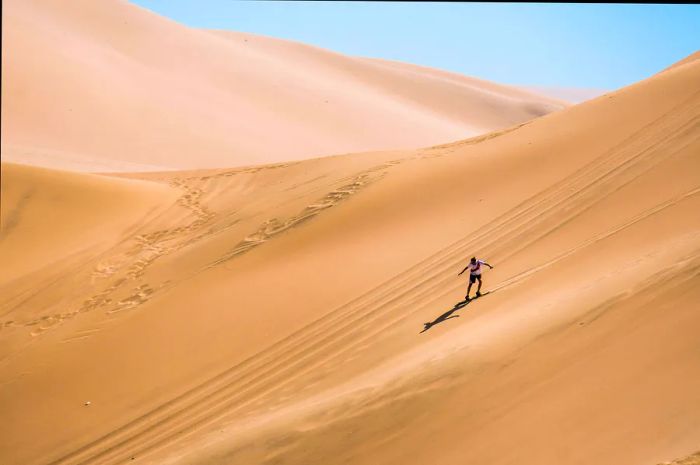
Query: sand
[(693, 459), (274, 313), (109, 86)]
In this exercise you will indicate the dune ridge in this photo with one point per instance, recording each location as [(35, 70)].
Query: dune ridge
[(567, 94)]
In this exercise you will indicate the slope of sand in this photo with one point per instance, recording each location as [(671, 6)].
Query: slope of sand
[(109, 86), (80, 212), (272, 314)]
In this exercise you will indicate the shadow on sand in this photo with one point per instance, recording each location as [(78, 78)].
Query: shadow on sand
[(449, 314)]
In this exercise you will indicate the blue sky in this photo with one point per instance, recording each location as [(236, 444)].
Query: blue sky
[(602, 46)]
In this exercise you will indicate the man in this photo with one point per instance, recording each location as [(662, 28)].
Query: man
[(474, 267)]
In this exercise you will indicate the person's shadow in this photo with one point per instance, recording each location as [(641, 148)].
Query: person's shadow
[(449, 314)]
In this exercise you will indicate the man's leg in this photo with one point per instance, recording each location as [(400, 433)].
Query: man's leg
[(478, 289), (469, 288)]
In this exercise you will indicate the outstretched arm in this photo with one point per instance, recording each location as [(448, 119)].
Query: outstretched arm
[(465, 269), (487, 265)]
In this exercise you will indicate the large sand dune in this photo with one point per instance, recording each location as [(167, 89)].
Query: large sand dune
[(271, 314), (108, 86)]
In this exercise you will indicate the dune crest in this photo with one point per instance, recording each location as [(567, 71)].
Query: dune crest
[(567, 94)]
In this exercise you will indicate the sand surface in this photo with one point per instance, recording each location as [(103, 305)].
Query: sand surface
[(109, 86), (272, 314)]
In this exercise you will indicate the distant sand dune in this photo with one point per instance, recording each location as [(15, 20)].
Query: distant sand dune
[(108, 86), (273, 313)]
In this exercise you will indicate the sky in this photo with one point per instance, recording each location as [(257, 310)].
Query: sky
[(592, 46)]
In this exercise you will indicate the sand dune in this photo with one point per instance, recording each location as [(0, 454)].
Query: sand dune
[(272, 314), (109, 86)]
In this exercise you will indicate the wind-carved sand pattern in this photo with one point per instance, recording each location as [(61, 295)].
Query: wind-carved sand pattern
[(275, 226)]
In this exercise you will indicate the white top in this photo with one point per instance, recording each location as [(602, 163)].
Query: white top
[(475, 268)]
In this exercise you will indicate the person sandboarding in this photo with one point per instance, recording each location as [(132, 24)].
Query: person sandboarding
[(474, 267)]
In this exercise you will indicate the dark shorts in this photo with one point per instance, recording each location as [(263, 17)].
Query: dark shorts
[(474, 277)]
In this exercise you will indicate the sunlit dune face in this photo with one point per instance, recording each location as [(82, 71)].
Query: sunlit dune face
[(185, 309)]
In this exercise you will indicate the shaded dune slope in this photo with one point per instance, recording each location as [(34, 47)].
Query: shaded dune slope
[(271, 314), (109, 86)]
